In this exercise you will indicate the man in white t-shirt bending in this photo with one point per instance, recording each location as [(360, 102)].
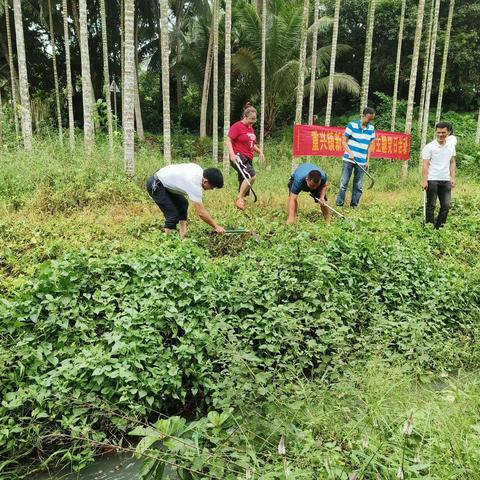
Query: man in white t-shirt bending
[(170, 187), (438, 174)]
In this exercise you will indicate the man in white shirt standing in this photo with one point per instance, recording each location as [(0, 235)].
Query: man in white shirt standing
[(172, 185), (438, 174)]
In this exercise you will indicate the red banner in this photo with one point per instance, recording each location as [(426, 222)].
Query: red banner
[(316, 140)]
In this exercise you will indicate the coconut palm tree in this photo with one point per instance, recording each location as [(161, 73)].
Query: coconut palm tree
[(262, 73), (106, 74), (88, 127), (426, 61), (167, 155), (368, 55), (301, 69), (397, 65), (66, 39), (55, 73), (138, 107), (477, 137), (426, 109), (13, 74), (216, 10), (444, 61), (206, 87), (336, 20), (226, 98), (313, 69), (129, 87), (26, 116), (413, 75), (284, 28)]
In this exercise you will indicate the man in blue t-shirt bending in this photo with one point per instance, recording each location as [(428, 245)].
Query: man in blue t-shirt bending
[(307, 178), (357, 141)]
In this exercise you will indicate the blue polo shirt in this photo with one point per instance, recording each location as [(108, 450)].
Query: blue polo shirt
[(299, 178), (359, 139)]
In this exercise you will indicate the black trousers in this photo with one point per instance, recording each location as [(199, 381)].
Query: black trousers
[(442, 190), (173, 206)]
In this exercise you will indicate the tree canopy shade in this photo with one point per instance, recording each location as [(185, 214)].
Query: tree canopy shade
[(190, 40)]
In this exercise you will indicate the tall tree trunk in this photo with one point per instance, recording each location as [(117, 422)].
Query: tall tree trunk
[(11, 66), (106, 74), (26, 116), (138, 105), (55, 73), (413, 75), (336, 20), (444, 61), (165, 82), (313, 73), (262, 73), (1, 119), (76, 20), (368, 55), (206, 86), (397, 65), (129, 88), (477, 136), (216, 11), (88, 128), (122, 52), (226, 97), (428, 94), (178, 28), (301, 69), (71, 121), (426, 60)]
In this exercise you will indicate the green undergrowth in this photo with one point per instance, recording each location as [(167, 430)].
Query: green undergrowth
[(174, 328), (374, 422)]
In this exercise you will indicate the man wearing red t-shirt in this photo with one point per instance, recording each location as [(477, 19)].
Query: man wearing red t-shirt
[(241, 141)]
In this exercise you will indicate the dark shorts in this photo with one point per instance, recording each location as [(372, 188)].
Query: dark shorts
[(173, 206), (246, 167)]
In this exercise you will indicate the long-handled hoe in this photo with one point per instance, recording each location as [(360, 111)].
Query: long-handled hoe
[(325, 204), (372, 180)]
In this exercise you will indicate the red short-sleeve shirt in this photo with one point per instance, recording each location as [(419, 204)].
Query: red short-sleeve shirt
[(243, 139)]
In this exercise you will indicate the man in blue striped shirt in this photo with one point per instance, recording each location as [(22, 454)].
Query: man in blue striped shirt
[(357, 142)]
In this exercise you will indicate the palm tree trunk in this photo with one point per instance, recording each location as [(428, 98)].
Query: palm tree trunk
[(397, 65), (1, 119), (216, 10), (178, 28), (226, 97), (301, 69), (426, 60), (88, 129), (206, 87), (262, 73), (314, 62), (129, 88), (26, 116), (71, 121), (413, 75), (76, 20), (165, 82), (333, 56), (138, 106), (444, 61), (11, 66), (55, 73), (426, 110), (368, 55), (122, 51), (477, 137), (106, 74)]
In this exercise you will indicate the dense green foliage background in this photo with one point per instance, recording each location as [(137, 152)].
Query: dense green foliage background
[(187, 68)]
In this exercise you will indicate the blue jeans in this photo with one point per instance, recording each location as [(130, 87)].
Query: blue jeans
[(357, 188)]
